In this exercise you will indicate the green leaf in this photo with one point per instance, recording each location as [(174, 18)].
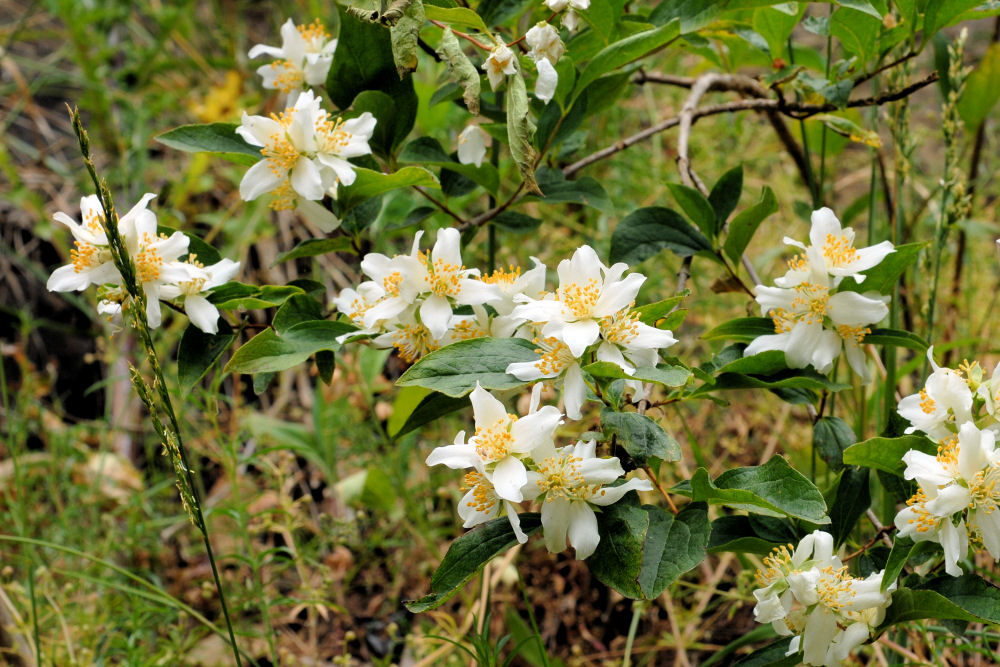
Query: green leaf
[(516, 222), (775, 26), (416, 406), (852, 500), (455, 369), (427, 151), (725, 195), (644, 549), (883, 277), (521, 130), (641, 437), (269, 352), (210, 138), (966, 598), (460, 67), (743, 329), (697, 208), (652, 313), (625, 51), (646, 231), (364, 61), (856, 31), (864, 6), (460, 16), (768, 370), (745, 224), (887, 453), (897, 338), (371, 183), (468, 554), (234, 295), (940, 13), (199, 350), (831, 436), (773, 489), (556, 188), (667, 375), (495, 12), (982, 90), (313, 247), (298, 308), (903, 549), (736, 533), (774, 654)]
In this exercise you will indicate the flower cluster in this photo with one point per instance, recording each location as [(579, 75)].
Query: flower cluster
[(303, 59), (813, 323), (958, 494), (512, 460), (807, 592), (410, 303), (156, 256), (305, 152), (593, 305)]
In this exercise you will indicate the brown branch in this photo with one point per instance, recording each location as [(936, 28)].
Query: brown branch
[(441, 205), (791, 109), (656, 481), (463, 35)]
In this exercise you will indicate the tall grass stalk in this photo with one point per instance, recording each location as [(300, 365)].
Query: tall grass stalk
[(954, 193), (135, 310)]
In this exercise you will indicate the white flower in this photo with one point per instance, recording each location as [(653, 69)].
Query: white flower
[(544, 42), (557, 5), (808, 593), (481, 502), (500, 63), (964, 475), (305, 57), (435, 279), (555, 360), (626, 341), (833, 250), (472, 143), (156, 256), (812, 326), (305, 152), (570, 480), (989, 391), (92, 264), (941, 406), (588, 292), (512, 284), (355, 303), (548, 79), (202, 313), (500, 443)]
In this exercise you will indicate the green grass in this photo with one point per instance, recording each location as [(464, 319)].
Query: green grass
[(322, 524)]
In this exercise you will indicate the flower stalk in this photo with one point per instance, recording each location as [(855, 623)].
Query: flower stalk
[(157, 402)]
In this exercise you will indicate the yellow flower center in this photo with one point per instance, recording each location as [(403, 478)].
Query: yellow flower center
[(620, 328), (412, 342), (853, 333), (501, 277), (924, 520), (494, 442), (330, 135), (834, 586), (443, 279), (289, 78), (580, 299), (839, 250), (809, 306), (148, 262), (555, 356), (926, 402), (484, 497), (391, 283), (561, 478), (775, 566), (87, 256), (315, 34)]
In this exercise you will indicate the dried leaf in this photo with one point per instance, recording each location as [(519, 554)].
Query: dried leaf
[(461, 68)]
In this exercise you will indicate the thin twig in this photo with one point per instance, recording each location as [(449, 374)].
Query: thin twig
[(659, 487), (463, 35), (441, 205)]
